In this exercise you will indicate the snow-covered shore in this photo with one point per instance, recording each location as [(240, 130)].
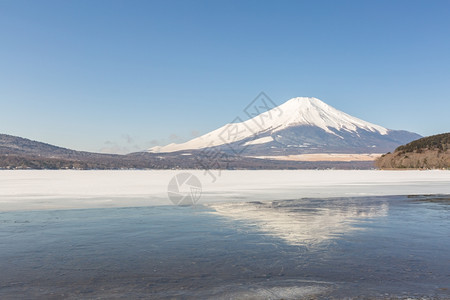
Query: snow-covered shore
[(61, 189)]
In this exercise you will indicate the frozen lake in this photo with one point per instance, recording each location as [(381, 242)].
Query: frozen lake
[(253, 235), (385, 247), (31, 190)]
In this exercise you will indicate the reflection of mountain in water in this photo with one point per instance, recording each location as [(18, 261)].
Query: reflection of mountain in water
[(306, 221)]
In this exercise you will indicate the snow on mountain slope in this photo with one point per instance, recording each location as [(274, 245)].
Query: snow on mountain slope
[(295, 112), (314, 112)]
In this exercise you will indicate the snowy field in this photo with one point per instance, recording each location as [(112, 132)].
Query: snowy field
[(42, 190)]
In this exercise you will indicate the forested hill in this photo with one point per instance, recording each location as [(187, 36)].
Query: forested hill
[(431, 152)]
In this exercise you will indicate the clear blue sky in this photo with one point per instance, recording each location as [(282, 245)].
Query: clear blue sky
[(125, 75)]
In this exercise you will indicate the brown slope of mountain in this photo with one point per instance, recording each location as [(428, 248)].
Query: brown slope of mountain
[(431, 152)]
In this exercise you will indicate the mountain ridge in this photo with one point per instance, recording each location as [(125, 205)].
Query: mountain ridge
[(298, 126), (18, 153), (302, 125)]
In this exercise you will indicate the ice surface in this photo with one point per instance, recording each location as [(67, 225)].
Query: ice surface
[(67, 189)]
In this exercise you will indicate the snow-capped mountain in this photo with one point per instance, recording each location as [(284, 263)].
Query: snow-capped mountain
[(300, 125)]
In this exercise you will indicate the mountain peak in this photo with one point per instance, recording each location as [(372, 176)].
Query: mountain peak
[(305, 99), (314, 112), (302, 117), (298, 102), (302, 104)]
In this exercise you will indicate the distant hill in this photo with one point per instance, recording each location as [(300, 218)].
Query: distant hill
[(431, 152), (21, 153), (16, 145)]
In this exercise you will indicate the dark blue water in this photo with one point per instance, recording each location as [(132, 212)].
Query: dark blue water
[(189, 252)]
